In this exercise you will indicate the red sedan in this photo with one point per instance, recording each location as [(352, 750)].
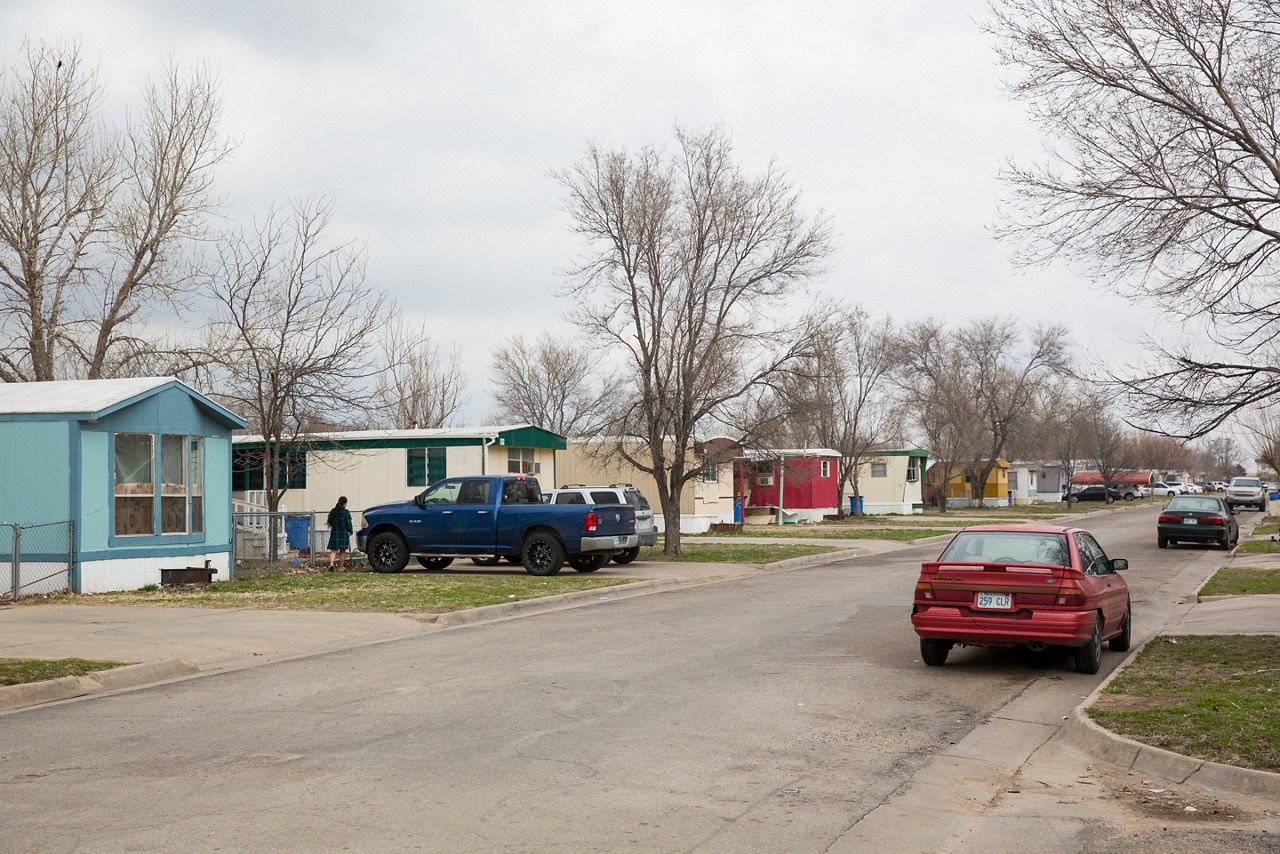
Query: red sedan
[(1023, 585)]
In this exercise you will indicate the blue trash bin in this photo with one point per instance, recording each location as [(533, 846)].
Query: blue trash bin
[(297, 530), (855, 505), (737, 510)]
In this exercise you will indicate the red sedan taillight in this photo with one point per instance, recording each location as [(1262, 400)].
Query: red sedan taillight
[(1071, 597), (1169, 519), (924, 590), (590, 523)]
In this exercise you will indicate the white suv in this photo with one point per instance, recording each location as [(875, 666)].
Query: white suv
[(1248, 491), (614, 493)]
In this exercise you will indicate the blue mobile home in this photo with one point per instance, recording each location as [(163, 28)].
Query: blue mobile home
[(141, 467)]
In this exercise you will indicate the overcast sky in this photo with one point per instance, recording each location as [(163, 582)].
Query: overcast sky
[(434, 125)]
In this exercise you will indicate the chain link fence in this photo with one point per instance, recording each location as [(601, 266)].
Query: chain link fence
[(267, 538), (36, 559)]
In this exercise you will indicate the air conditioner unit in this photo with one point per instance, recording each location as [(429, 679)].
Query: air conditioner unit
[(764, 480), (537, 468)]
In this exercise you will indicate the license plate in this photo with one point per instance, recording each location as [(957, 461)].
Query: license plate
[(995, 600), (1189, 520)]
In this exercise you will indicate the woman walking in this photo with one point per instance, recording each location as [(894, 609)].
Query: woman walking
[(339, 534)]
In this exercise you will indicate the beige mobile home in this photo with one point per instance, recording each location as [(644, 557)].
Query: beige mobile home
[(374, 466), (891, 482), (706, 499)]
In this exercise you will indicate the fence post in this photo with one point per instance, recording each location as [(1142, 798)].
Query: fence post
[(17, 551), (311, 538), (73, 576)]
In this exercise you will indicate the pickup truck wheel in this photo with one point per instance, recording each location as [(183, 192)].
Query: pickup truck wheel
[(627, 556), (588, 563), (434, 562), (543, 554), (388, 552), (486, 561)]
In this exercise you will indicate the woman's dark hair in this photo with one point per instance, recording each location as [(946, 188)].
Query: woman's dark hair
[(333, 514)]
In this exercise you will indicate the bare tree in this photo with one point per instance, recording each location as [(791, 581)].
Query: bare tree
[(689, 265), (936, 387), (94, 224), (1001, 375), (1165, 180), (1063, 423), (840, 393), (1111, 445), (416, 386), (545, 382), (1263, 437), (1162, 453), (298, 321)]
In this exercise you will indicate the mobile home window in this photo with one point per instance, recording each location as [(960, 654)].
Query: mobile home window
[(135, 491), (197, 485), (879, 469), (173, 484), (710, 473), (426, 466), (520, 461), (826, 468)]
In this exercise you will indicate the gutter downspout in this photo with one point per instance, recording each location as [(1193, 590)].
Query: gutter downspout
[(484, 452)]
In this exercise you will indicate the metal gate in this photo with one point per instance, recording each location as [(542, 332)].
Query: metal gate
[(36, 559)]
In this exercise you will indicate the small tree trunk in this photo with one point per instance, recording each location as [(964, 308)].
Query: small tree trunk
[(671, 523)]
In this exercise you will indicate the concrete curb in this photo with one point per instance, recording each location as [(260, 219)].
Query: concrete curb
[(69, 687), (1132, 755)]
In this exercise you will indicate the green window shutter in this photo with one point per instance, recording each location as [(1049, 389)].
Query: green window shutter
[(435, 465), (417, 473)]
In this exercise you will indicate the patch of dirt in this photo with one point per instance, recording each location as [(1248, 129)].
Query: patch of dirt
[(1158, 799)]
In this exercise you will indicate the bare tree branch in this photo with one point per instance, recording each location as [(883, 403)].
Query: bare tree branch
[(1165, 179), (95, 225), (300, 323)]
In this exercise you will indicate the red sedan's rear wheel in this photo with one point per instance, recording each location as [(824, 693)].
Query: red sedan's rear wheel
[(1089, 656), (933, 652)]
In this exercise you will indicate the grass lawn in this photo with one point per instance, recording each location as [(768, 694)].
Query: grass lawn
[(1211, 697), (407, 592), (1268, 525), (1258, 547), (830, 532), (1242, 581), (19, 671)]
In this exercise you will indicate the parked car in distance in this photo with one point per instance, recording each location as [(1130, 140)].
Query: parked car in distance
[(1023, 585), (1160, 489), (1095, 493), (1246, 492), (1197, 519), (614, 493)]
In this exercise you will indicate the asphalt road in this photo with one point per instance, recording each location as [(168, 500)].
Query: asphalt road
[(771, 713)]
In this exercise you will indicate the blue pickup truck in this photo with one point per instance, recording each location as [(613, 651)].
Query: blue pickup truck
[(486, 518)]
